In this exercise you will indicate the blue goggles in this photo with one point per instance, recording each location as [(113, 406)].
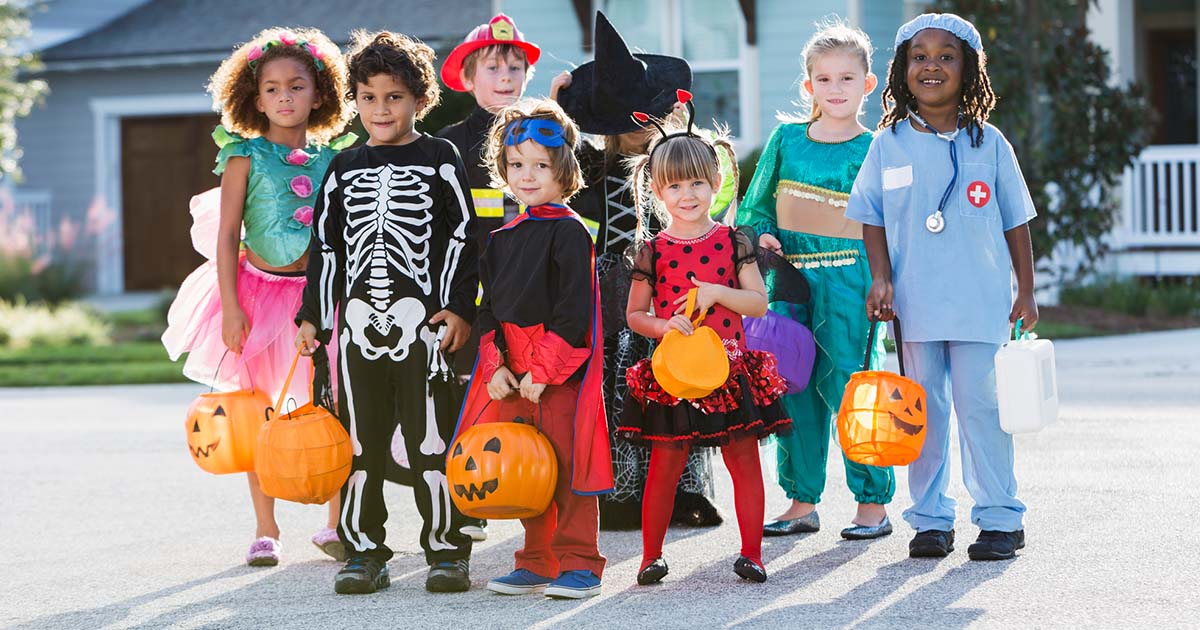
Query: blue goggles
[(544, 132)]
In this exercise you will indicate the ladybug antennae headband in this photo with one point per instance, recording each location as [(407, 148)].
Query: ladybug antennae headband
[(684, 97)]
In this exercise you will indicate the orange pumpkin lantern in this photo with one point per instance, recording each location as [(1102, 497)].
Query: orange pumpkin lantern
[(690, 366), (221, 429), (303, 455), (502, 470), (881, 421)]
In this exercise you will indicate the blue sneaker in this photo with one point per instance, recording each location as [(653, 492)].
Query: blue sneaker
[(574, 585), (519, 582)]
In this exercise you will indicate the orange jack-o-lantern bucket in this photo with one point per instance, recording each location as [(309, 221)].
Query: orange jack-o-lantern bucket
[(690, 366), (221, 428), (501, 470), (303, 455), (881, 421)]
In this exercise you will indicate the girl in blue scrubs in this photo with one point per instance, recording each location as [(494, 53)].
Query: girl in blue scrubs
[(945, 212)]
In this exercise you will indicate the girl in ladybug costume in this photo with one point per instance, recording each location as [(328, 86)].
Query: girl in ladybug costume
[(719, 262)]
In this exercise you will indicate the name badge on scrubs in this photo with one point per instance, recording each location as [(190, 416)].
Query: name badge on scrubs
[(898, 177)]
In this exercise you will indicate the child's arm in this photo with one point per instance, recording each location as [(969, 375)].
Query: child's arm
[(638, 309), (461, 262), (879, 297), (1020, 249), (234, 325), (749, 299), (325, 275), (757, 209), (492, 349), (564, 346)]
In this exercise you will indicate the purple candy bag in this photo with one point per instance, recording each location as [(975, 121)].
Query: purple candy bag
[(790, 341)]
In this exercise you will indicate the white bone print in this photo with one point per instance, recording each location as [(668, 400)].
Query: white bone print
[(366, 322), (388, 225), (439, 506), (433, 443)]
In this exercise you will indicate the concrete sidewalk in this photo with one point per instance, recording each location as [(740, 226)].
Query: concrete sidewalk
[(107, 524)]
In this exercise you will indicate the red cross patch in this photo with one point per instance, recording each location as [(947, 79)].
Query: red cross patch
[(978, 193)]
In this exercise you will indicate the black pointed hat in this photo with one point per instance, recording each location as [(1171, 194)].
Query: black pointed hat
[(604, 92)]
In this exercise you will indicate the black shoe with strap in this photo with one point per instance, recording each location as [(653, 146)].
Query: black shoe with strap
[(653, 573), (449, 577), (933, 543), (748, 569), (996, 545), (362, 574)]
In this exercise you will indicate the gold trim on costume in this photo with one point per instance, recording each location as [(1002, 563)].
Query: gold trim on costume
[(814, 193), (840, 258)]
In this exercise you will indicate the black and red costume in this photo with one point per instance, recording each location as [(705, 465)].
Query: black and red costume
[(540, 316), (734, 416)]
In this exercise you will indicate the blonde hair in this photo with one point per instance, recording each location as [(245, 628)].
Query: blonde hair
[(673, 159), (830, 37), (562, 158), (234, 86)]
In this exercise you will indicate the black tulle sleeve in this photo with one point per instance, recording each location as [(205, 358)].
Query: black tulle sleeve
[(640, 259), (745, 247)]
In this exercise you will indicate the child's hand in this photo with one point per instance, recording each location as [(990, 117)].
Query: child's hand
[(531, 391), (234, 328), (1024, 308), (707, 294), (879, 302), (562, 80), (306, 339), (457, 330), (502, 384), (766, 241), (678, 322)]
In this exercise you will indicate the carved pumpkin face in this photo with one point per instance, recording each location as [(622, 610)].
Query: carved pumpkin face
[(882, 419), (221, 429), (502, 470)]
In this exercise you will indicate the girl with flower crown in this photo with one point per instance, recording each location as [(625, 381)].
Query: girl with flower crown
[(281, 101)]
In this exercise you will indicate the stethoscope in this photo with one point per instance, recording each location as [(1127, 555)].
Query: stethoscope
[(936, 222)]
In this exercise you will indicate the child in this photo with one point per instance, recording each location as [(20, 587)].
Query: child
[(598, 96), (280, 101), (395, 254), (540, 355), (945, 211), (494, 63), (796, 203), (693, 251)]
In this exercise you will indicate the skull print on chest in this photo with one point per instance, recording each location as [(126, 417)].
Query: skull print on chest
[(387, 233)]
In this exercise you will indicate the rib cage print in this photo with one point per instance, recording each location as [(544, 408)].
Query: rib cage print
[(388, 227)]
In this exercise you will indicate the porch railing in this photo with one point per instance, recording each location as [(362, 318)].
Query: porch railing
[(1161, 191)]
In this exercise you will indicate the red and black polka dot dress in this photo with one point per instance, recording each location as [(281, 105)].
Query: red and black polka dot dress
[(748, 403)]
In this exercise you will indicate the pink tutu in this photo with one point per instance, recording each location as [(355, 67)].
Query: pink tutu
[(270, 302)]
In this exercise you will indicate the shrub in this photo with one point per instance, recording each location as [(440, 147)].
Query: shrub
[(23, 325)]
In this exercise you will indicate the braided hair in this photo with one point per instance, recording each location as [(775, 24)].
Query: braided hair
[(976, 99)]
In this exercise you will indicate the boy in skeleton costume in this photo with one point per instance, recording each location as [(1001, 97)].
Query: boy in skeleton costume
[(394, 251)]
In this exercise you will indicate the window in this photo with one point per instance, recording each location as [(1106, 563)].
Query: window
[(710, 34)]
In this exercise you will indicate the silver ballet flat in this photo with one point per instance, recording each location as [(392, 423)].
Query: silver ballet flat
[(808, 523), (867, 532)]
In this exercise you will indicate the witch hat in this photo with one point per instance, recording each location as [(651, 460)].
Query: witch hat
[(604, 91)]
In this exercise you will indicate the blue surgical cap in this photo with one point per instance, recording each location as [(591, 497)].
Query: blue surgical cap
[(945, 21)]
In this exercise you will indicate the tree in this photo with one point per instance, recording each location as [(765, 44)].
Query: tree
[(18, 95), (1074, 132)]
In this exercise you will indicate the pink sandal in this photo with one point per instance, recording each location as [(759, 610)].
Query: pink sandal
[(264, 552), (327, 541)]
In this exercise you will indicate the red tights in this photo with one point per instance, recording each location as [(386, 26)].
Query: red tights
[(658, 501)]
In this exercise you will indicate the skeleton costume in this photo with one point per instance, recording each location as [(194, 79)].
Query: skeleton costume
[(395, 244)]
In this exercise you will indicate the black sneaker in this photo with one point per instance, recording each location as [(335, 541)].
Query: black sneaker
[(933, 543), (362, 574), (449, 577), (994, 545)]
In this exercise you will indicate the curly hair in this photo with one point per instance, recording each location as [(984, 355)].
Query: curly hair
[(564, 163), (976, 99), (675, 159), (234, 86), (405, 59)]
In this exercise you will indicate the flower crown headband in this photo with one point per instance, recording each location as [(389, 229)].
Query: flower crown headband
[(684, 97), (286, 38)]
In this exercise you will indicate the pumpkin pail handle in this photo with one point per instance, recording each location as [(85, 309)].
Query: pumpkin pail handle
[(871, 344), (287, 383), (690, 307), (217, 372)]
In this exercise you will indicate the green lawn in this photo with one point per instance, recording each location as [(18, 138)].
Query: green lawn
[(118, 364)]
